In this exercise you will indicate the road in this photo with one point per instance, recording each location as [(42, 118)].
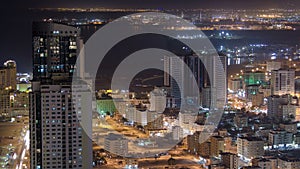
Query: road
[(19, 162)]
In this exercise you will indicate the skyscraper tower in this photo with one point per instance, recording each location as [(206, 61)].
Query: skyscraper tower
[(199, 71), (175, 65), (57, 139), (55, 50)]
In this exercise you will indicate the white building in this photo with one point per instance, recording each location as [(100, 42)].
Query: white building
[(157, 100), (177, 133), (116, 144), (133, 114), (141, 117), (130, 114), (187, 120)]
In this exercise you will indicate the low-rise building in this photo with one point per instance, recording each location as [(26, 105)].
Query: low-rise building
[(263, 163), (250, 147), (280, 137), (288, 163), (230, 160)]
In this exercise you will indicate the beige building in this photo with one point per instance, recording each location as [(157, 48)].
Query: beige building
[(273, 65), (289, 127), (288, 163), (240, 120), (204, 149), (250, 147), (230, 160), (4, 102), (258, 99), (235, 84), (217, 145), (193, 142), (8, 75), (266, 163)]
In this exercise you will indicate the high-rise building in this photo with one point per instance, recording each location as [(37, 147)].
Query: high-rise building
[(289, 111), (180, 79), (206, 97), (141, 116), (8, 75), (175, 78), (216, 79), (283, 82), (167, 77), (130, 114), (57, 137), (258, 99), (55, 50)]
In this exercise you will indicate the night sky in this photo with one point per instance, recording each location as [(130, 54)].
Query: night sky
[(15, 29)]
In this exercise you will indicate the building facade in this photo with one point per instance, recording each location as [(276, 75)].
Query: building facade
[(8, 75), (283, 82), (57, 138), (250, 147)]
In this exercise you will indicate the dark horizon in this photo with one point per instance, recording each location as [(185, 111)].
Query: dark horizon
[(156, 4)]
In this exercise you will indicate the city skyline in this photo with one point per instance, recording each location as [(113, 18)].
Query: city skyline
[(15, 39), (109, 85)]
